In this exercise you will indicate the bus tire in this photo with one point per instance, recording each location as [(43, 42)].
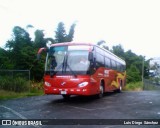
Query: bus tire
[(120, 88), (66, 97), (101, 92)]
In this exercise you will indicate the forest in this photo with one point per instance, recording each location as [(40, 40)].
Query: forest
[(20, 52)]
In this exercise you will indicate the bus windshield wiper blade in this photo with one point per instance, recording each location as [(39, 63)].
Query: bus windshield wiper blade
[(54, 72), (75, 75), (67, 65), (64, 66)]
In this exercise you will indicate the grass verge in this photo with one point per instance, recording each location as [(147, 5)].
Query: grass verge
[(18, 88), (4, 95), (137, 86)]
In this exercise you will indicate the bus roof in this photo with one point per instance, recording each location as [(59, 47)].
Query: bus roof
[(71, 43)]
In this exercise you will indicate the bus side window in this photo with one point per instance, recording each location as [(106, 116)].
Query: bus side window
[(113, 64), (123, 68), (107, 62), (99, 60), (119, 66)]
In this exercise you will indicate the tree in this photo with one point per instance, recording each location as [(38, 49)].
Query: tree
[(20, 38), (5, 62), (70, 35), (21, 51), (20, 48), (29, 26), (39, 40), (103, 44), (130, 58), (119, 51), (60, 33), (133, 74)]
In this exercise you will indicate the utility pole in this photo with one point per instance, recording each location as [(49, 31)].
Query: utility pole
[(143, 72)]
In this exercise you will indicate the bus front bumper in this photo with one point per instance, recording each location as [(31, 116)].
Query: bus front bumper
[(67, 91)]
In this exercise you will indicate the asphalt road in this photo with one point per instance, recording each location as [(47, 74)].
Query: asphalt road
[(125, 105)]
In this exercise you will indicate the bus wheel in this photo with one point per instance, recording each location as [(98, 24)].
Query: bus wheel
[(120, 88), (101, 88), (66, 97)]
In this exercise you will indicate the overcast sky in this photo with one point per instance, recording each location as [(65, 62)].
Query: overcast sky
[(135, 24)]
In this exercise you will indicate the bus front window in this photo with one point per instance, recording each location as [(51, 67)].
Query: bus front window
[(63, 61), (78, 61), (55, 58)]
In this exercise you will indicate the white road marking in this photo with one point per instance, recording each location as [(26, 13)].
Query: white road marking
[(88, 109), (100, 108), (14, 112)]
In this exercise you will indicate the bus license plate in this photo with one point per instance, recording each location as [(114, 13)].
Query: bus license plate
[(63, 92)]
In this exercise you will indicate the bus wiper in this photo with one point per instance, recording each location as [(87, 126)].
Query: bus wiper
[(59, 67), (67, 65), (64, 66), (75, 75), (52, 72)]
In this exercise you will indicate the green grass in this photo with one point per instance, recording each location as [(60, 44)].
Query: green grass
[(4, 95), (137, 86), (11, 88), (17, 84)]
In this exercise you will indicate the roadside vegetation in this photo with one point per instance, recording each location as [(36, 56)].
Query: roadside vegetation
[(32, 89), (17, 84), (5, 95), (134, 86)]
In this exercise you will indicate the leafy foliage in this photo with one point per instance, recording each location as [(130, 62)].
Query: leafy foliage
[(5, 62), (14, 84), (61, 35), (119, 51), (21, 51), (70, 35), (20, 48), (39, 40), (134, 86), (133, 74), (103, 44)]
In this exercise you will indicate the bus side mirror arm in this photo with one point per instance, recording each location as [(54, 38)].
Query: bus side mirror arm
[(40, 51), (90, 56)]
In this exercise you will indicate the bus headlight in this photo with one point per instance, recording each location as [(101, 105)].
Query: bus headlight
[(83, 84), (47, 84)]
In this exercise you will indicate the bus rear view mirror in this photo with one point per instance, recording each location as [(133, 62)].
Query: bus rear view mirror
[(90, 56)]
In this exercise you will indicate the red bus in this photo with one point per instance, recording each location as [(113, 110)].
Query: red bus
[(82, 69)]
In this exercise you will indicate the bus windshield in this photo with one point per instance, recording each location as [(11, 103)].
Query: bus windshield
[(67, 60)]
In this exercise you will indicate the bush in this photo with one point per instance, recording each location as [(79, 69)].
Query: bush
[(134, 86), (21, 85), (133, 74), (36, 87), (18, 84)]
